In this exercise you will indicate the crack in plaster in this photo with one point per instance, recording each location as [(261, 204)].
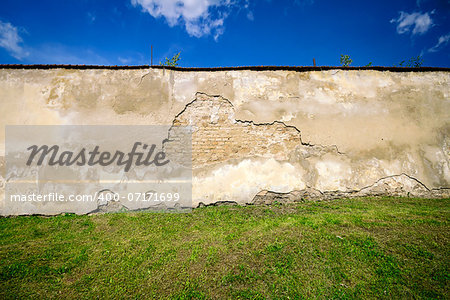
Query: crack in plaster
[(142, 78)]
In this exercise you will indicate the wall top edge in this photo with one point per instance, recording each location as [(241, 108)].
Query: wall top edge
[(241, 68)]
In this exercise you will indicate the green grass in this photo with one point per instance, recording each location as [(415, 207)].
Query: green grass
[(358, 248)]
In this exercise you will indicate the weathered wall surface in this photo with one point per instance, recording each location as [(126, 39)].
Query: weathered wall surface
[(261, 133)]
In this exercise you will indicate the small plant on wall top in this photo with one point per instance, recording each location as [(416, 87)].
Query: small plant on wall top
[(414, 62), (345, 60), (173, 61)]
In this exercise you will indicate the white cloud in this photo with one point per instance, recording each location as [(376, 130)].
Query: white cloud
[(91, 17), (442, 42), (124, 60), (416, 22), (56, 53), (419, 2), (250, 16), (11, 41), (199, 17)]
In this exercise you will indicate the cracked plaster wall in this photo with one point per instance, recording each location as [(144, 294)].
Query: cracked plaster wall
[(260, 131)]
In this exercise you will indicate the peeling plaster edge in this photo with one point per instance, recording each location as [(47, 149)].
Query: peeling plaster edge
[(393, 176), (253, 123), (305, 194)]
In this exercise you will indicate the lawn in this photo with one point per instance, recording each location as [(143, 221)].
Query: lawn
[(348, 248)]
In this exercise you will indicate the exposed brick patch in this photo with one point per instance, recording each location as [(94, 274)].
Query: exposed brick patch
[(218, 137)]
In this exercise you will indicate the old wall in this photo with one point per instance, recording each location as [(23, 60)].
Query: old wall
[(261, 133)]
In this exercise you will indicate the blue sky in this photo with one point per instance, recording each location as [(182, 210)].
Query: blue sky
[(212, 33)]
